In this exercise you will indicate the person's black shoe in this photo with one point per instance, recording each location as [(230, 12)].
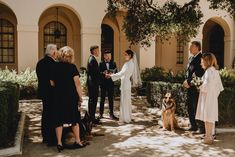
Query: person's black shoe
[(192, 129), (113, 117), (59, 148), (78, 145)]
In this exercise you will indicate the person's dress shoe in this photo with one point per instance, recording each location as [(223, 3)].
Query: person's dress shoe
[(59, 148), (113, 117), (78, 145)]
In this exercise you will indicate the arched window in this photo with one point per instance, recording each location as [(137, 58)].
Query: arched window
[(55, 33), (7, 42), (180, 52)]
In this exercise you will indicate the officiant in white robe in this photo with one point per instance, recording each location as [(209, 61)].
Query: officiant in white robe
[(130, 70)]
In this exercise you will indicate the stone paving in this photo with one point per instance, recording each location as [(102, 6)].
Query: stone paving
[(141, 138)]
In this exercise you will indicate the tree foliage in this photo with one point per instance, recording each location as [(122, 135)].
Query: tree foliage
[(228, 5), (146, 19)]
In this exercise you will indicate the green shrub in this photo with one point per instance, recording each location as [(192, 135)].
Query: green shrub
[(27, 81), (227, 77), (160, 74), (3, 115), (227, 106), (9, 104), (157, 90)]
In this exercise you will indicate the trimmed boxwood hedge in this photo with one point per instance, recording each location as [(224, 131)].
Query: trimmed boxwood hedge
[(9, 104), (157, 90)]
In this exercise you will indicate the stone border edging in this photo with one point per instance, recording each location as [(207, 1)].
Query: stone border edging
[(18, 144), (225, 130)]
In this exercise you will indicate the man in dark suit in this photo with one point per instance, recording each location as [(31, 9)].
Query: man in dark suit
[(193, 68), (107, 85), (93, 81), (45, 92)]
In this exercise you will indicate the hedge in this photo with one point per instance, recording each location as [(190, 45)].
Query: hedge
[(9, 104), (157, 90)]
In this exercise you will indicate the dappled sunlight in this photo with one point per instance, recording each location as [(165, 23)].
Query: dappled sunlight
[(123, 130), (143, 137)]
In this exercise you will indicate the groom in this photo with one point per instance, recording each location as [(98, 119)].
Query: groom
[(107, 85), (93, 81), (194, 68)]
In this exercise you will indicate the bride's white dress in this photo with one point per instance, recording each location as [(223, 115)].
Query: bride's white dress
[(125, 100)]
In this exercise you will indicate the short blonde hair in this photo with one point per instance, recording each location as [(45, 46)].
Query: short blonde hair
[(66, 54), (210, 60)]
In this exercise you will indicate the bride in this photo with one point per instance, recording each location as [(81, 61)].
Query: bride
[(129, 69)]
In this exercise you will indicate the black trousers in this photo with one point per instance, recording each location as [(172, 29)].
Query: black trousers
[(93, 91), (47, 128), (106, 90), (192, 100)]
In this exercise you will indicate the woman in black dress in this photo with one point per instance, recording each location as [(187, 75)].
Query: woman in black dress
[(68, 95)]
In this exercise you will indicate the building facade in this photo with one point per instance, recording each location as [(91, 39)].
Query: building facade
[(27, 26)]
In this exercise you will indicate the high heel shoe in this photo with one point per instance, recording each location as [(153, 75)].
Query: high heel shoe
[(59, 148), (78, 145)]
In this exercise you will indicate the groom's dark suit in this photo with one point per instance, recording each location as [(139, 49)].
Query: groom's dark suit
[(107, 85), (194, 67), (93, 81)]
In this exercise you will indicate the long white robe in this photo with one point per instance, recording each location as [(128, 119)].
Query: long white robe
[(125, 100), (207, 108)]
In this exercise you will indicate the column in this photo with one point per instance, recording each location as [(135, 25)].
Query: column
[(147, 56), (27, 44), (89, 36), (228, 52)]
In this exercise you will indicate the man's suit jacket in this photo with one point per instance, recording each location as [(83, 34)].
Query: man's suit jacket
[(93, 73), (43, 70), (194, 67), (103, 68)]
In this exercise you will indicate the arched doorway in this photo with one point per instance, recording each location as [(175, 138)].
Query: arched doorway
[(8, 38), (107, 39), (61, 26), (213, 40)]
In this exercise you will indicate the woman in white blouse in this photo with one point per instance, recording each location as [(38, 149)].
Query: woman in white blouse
[(129, 70), (207, 109)]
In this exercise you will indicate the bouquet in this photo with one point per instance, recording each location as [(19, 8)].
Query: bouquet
[(197, 81)]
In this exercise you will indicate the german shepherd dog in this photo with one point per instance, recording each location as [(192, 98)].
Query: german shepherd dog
[(168, 113), (85, 126)]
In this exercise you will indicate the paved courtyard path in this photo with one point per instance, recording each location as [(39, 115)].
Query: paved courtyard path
[(142, 138)]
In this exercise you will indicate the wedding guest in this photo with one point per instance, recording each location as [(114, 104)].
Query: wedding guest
[(93, 81), (207, 109), (129, 70), (45, 91), (107, 85), (193, 68), (68, 96)]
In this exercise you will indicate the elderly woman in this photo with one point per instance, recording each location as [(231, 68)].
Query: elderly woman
[(68, 95)]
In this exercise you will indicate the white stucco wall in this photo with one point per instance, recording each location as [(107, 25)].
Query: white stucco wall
[(91, 14)]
